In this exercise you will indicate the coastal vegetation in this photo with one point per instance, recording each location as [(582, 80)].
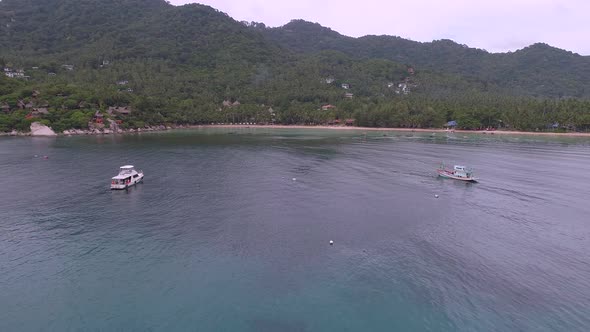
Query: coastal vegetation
[(75, 64)]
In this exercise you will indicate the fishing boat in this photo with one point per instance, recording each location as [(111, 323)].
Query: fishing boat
[(458, 172), (126, 178)]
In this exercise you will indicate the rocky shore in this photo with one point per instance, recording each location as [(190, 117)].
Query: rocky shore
[(107, 131), (39, 129)]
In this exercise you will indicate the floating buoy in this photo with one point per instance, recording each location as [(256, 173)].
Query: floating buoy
[(331, 242), (45, 157), (36, 156), (294, 179), (436, 196)]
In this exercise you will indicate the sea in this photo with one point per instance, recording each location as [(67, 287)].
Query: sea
[(231, 231)]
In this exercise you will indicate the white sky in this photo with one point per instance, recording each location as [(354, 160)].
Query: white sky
[(494, 25)]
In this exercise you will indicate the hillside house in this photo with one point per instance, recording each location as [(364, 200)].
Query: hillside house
[(403, 88), (451, 124), (24, 104), (51, 74), (14, 73), (68, 67), (328, 107), (39, 111), (122, 110), (228, 103), (329, 80), (349, 122), (411, 70), (98, 117), (345, 86), (5, 108), (348, 95), (123, 82)]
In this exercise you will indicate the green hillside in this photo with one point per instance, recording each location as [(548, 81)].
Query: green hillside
[(193, 64), (538, 70)]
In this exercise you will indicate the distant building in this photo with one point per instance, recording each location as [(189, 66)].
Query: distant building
[(5, 108), (451, 124), (345, 86), (328, 107), (24, 105), (403, 88), (228, 103), (14, 73), (68, 67), (329, 80), (98, 117), (40, 111), (348, 95), (349, 122), (125, 110)]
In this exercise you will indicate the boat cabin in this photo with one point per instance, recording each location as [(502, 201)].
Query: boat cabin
[(461, 171), (126, 174)]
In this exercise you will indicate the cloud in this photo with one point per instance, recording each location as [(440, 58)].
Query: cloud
[(498, 26)]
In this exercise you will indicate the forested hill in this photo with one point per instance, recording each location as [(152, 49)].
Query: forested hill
[(69, 62), (537, 70), (82, 31)]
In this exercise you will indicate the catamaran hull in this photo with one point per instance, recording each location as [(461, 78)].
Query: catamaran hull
[(125, 186), (448, 175)]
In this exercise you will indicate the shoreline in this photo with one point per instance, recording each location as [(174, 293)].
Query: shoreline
[(79, 132), (417, 130)]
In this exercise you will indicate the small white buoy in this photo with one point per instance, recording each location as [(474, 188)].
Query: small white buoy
[(436, 196), (36, 156), (294, 179), (331, 242)]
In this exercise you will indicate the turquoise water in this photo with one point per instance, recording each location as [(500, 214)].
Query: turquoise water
[(221, 238)]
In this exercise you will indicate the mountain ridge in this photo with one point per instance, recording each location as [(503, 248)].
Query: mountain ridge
[(448, 56), (194, 64)]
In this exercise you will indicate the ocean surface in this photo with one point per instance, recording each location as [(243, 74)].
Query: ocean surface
[(230, 232)]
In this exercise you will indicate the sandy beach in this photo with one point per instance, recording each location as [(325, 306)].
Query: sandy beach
[(482, 132), (74, 132)]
